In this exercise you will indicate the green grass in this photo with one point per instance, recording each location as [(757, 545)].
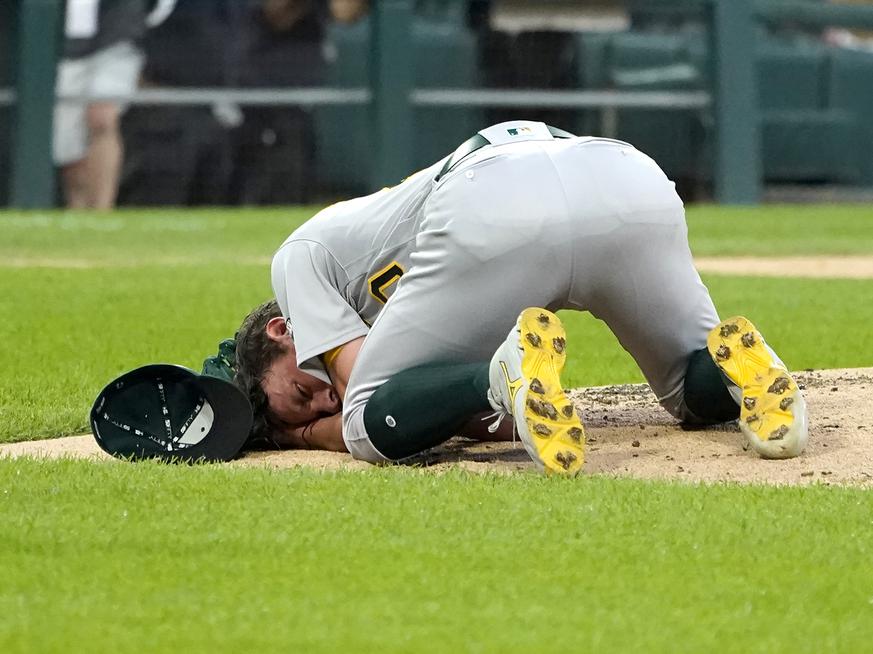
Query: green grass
[(129, 237), (812, 323), (147, 557), (159, 558), (780, 230)]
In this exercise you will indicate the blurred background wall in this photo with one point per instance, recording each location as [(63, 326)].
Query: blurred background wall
[(254, 102)]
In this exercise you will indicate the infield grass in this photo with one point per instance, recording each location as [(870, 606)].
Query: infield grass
[(148, 557), (781, 230), (152, 558)]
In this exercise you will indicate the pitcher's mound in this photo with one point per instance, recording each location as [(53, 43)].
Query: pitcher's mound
[(630, 435)]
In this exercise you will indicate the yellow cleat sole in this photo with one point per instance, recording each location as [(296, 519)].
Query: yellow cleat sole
[(555, 428), (771, 397)]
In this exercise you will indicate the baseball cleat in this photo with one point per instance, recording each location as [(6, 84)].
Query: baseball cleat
[(772, 409), (525, 376)]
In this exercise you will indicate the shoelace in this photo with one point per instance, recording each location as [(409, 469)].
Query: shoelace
[(494, 426)]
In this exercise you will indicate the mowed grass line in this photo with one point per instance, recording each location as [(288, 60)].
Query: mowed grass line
[(133, 558)]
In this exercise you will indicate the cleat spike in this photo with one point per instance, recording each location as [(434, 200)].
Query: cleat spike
[(749, 402), (543, 320), (728, 329), (575, 433), (568, 411), (778, 434), (559, 344), (779, 386), (785, 403), (537, 386), (748, 339), (542, 408), (566, 459), (541, 430), (533, 339), (723, 353)]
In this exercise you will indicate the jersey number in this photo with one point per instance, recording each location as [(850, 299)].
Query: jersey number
[(380, 282)]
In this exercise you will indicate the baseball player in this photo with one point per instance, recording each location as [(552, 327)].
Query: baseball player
[(390, 328)]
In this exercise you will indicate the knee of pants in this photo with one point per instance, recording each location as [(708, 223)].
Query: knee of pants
[(356, 439)]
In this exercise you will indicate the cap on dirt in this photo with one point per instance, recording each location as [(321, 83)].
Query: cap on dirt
[(164, 411)]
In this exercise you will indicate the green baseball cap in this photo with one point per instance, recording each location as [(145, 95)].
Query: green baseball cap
[(165, 411)]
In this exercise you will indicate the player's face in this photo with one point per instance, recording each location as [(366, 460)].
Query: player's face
[(297, 398)]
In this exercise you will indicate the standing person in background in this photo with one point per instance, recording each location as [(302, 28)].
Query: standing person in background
[(283, 46), (526, 55), (181, 155), (100, 66), (282, 42)]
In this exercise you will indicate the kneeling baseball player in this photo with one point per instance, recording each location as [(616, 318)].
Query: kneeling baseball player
[(389, 330)]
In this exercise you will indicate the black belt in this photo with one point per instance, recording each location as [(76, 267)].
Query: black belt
[(478, 141)]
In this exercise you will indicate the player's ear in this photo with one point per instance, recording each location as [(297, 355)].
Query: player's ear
[(277, 329)]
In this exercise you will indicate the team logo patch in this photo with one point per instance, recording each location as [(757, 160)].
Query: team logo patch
[(519, 131), (382, 281)]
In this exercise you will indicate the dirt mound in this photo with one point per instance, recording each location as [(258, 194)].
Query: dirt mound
[(630, 435), (833, 267)]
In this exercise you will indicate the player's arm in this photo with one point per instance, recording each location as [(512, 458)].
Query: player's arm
[(339, 363), (322, 434), (326, 433)]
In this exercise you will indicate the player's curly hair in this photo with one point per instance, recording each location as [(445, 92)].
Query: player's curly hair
[(255, 353)]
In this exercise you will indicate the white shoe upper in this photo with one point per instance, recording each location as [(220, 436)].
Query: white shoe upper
[(508, 389), (507, 357), (500, 395)]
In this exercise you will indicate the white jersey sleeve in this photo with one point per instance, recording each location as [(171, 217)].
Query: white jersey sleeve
[(307, 282)]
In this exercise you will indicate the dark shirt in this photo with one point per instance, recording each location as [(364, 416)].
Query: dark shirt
[(8, 22), (118, 21), (287, 58), (196, 46)]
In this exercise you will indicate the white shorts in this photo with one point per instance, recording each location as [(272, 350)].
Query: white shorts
[(112, 72)]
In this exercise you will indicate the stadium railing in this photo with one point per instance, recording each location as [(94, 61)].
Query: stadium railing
[(392, 98)]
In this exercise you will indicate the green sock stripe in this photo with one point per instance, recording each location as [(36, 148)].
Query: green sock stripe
[(706, 393), (424, 406)]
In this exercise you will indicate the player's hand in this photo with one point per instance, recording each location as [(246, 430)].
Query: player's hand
[(320, 434)]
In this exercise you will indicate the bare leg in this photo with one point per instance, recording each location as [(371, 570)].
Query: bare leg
[(105, 152), (75, 180)]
